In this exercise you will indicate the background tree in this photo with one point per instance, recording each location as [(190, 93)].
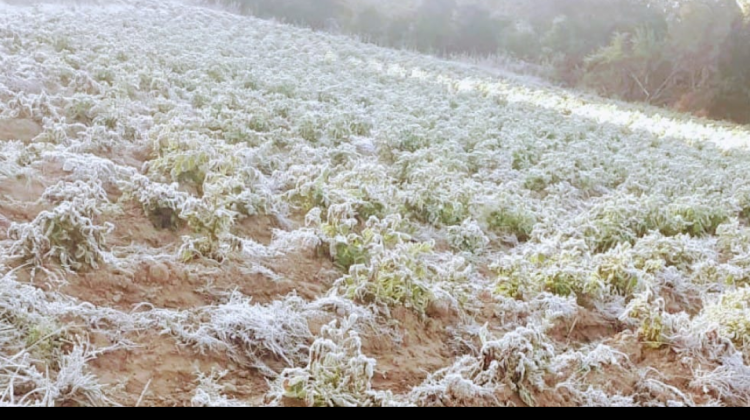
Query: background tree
[(477, 32), (371, 24), (433, 26)]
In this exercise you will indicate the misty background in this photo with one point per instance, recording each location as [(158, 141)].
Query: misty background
[(689, 55)]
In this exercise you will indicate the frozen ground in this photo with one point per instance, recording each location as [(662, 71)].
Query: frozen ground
[(200, 208)]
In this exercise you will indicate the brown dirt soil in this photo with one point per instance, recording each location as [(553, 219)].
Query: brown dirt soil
[(258, 228), (171, 370), (109, 288), (18, 199), (422, 350), (19, 129), (4, 225), (132, 227), (308, 281), (586, 328)]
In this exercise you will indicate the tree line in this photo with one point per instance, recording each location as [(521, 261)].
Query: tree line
[(690, 55)]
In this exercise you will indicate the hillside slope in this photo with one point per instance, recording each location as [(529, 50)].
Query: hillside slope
[(203, 208)]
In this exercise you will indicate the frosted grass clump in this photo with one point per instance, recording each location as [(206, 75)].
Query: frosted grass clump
[(74, 383), (337, 374), (83, 194), (36, 369), (209, 393), (468, 237), (246, 332), (70, 383), (162, 203), (398, 277), (518, 360), (211, 223), (731, 311), (349, 247), (191, 159), (730, 381), (68, 233), (15, 159)]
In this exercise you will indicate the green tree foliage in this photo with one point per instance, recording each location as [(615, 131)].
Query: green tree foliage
[(316, 14), (371, 24), (733, 96), (433, 25), (477, 31), (631, 66), (692, 60)]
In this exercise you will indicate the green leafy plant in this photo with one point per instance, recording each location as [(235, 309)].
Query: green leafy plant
[(731, 311), (697, 219), (468, 237), (162, 203), (523, 276), (348, 248), (437, 210), (626, 219), (191, 159), (398, 277), (211, 222), (345, 126), (648, 311), (68, 232), (512, 221), (611, 223), (44, 340), (81, 110), (616, 271)]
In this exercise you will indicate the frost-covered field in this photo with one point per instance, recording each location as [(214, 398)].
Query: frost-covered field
[(202, 208)]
